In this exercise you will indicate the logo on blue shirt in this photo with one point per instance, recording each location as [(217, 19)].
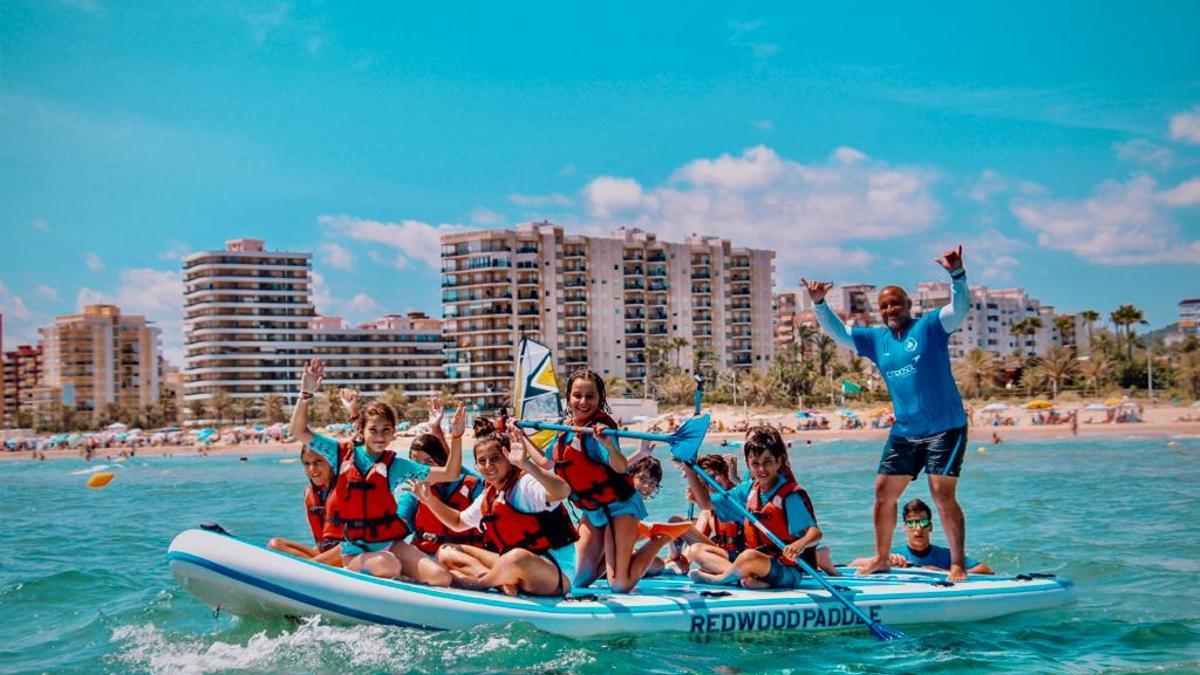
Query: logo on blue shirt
[(910, 345)]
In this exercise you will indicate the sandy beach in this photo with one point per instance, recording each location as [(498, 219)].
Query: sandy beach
[(1161, 421)]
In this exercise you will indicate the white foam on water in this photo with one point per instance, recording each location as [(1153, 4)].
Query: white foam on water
[(93, 469), (311, 646)]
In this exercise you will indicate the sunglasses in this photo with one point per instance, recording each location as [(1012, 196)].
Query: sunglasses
[(918, 523)]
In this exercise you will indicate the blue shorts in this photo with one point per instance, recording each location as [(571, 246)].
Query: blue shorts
[(783, 576), (939, 455), (634, 506), (351, 548), (564, 559)]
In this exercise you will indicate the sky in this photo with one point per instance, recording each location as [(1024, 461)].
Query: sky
[(1059, 143)]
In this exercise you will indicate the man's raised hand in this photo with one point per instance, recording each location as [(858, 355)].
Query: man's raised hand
[(817, 289), (951, 260)]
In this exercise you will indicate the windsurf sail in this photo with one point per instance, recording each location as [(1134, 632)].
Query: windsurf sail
[(536, 397)]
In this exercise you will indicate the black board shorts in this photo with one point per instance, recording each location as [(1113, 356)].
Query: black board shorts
[(939, 455)]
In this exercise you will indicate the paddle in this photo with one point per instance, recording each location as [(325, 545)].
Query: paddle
[(686, 439), (877, 629)]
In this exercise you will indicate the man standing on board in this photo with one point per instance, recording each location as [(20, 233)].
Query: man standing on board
[(930, 432)]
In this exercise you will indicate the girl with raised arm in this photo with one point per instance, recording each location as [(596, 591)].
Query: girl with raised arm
[(523, 520), (360, 512)]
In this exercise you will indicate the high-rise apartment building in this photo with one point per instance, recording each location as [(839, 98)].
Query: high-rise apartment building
[(22, 373), (251, 325), (1189, 317), (97, 358), (989, 323), (246, 327), (598, 302)]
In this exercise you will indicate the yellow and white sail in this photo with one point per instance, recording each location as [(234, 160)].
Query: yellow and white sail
[(536, 397)]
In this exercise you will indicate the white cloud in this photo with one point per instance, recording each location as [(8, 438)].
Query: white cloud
[(322, 296), (46, 293), (336, 256), (41, 224), (987, 185), (362, 303), (12, 305), (175, 252), (608, 195), (1119, 224), (1185, 126), (551, 199), (751, 35), (413, 239), (395, 261), (1144, 152), (999, 269), (756, 168), (88, 296), (486, 217), (1186, 193), (93, 261)]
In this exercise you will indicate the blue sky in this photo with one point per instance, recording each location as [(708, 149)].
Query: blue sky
[(1059, 142)]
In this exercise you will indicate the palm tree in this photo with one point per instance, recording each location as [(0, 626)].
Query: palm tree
[(676, 344), (615, 386), (977, 372), (761, 387), (220, 405), (805, 334), (1189, 373), (1091, 316), (1064, 324), (1098, 369), (826, 352), (676, 387), (1124, 318), (395, 397), (273, 409), (1057, 367), (197, 408), (1027, 327)]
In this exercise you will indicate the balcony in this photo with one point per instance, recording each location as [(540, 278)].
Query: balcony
[(634, 255), (635, 285)]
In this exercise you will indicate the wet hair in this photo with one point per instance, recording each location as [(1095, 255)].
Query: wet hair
[(375, 409), (593, 377), (650, 464), (714, 463), (487, 432), (764, 438), (918, 508), (430, 445)]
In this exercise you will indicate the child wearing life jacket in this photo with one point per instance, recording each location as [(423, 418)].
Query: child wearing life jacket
[(525, 525), (360, 510), (782, 506), (593, 465), (320, 481), (430, 533), (721, 525)]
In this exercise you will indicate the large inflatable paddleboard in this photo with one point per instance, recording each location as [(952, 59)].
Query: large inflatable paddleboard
[(250, 580)]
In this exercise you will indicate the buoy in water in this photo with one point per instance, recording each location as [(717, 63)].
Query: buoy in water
[(981, 449), (1172, 444), (99, 480)]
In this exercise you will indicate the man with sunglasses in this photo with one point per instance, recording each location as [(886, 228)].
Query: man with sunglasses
[(930, 432)]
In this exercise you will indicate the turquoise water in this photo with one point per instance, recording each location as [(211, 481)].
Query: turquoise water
[(84, 585)]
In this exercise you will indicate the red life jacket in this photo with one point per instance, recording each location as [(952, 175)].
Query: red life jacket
[(730, 535), (362, 508), (593, 484), (429, 532), (505, 527), (774, 517), (314, 505)]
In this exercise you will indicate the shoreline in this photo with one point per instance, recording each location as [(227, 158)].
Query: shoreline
[(981, 434)]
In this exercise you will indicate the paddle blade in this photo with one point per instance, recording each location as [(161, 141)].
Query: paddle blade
[(884, 634), (685, 442), (536, 397)]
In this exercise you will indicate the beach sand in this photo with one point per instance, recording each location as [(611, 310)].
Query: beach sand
[(1161, 421)]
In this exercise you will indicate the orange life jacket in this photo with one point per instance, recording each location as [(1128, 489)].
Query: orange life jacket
[(774, 517), (362, 508), (593, 484), (314, 505), (505, 527), (730, 535), (429, 532)]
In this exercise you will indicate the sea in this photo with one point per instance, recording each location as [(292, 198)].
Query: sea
[(84, 584)]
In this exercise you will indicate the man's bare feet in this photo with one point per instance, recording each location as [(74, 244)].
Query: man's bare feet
[(957, 573), (875, 565)]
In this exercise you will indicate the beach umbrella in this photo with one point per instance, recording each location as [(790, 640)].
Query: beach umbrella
[(803, 414), (844, 412), (1095, 406), (116, 426), (1039, 404), (880, 412), (994, 407)]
